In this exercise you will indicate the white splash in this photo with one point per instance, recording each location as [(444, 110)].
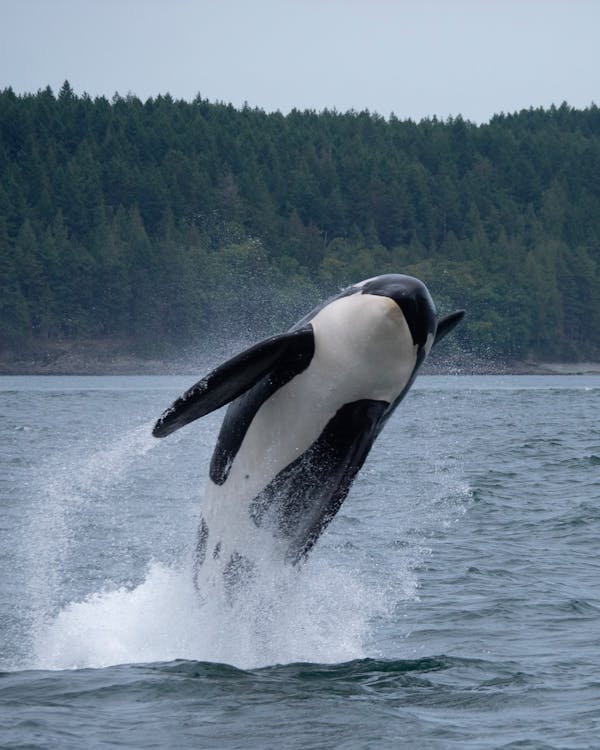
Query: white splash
[(64, 484), (318, 615), (323, 613)]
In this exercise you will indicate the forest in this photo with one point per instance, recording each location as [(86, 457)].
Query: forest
[(166, 223)]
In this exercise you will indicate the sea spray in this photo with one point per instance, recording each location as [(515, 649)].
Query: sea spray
[(62, 491), (318, 614)]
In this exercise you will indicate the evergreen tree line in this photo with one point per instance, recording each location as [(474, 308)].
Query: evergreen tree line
[(165, 222)]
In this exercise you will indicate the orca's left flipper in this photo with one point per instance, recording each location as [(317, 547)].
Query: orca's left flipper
[(445, 325), (232, 378)]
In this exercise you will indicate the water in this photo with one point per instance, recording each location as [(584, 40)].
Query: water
[(453, 603)]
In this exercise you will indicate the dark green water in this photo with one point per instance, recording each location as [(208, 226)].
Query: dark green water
[(453, 603)]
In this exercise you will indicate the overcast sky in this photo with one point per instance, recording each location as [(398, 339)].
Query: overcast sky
[(416, 58)]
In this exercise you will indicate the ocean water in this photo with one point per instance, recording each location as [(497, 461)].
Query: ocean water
[(454, 602)]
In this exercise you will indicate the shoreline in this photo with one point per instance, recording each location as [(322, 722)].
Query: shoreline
[(71, 362)]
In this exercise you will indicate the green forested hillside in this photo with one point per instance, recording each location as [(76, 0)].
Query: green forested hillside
[(164, 222)]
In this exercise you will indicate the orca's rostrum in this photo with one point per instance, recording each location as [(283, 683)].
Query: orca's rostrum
[(305, 409)]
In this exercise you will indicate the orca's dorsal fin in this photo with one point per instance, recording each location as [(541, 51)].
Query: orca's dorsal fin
[(232, 378), (445, 325)]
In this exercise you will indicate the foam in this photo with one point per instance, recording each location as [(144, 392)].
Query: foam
[(318, 615)]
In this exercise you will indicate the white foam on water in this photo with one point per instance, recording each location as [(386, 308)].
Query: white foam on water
[(316, 615)]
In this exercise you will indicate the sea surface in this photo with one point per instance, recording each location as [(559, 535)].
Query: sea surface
[(454, 602)]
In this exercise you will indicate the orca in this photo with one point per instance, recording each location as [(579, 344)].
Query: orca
[(304, 410)]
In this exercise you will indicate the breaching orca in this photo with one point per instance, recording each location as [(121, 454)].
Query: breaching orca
[(305, 409)]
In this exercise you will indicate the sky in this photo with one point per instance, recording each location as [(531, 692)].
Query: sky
[(415, 58)]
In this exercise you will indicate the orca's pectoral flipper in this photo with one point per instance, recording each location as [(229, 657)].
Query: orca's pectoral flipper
[(232, 378), (445, 325)]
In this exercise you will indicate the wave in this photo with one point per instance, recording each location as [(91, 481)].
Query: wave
[(372, 675)]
